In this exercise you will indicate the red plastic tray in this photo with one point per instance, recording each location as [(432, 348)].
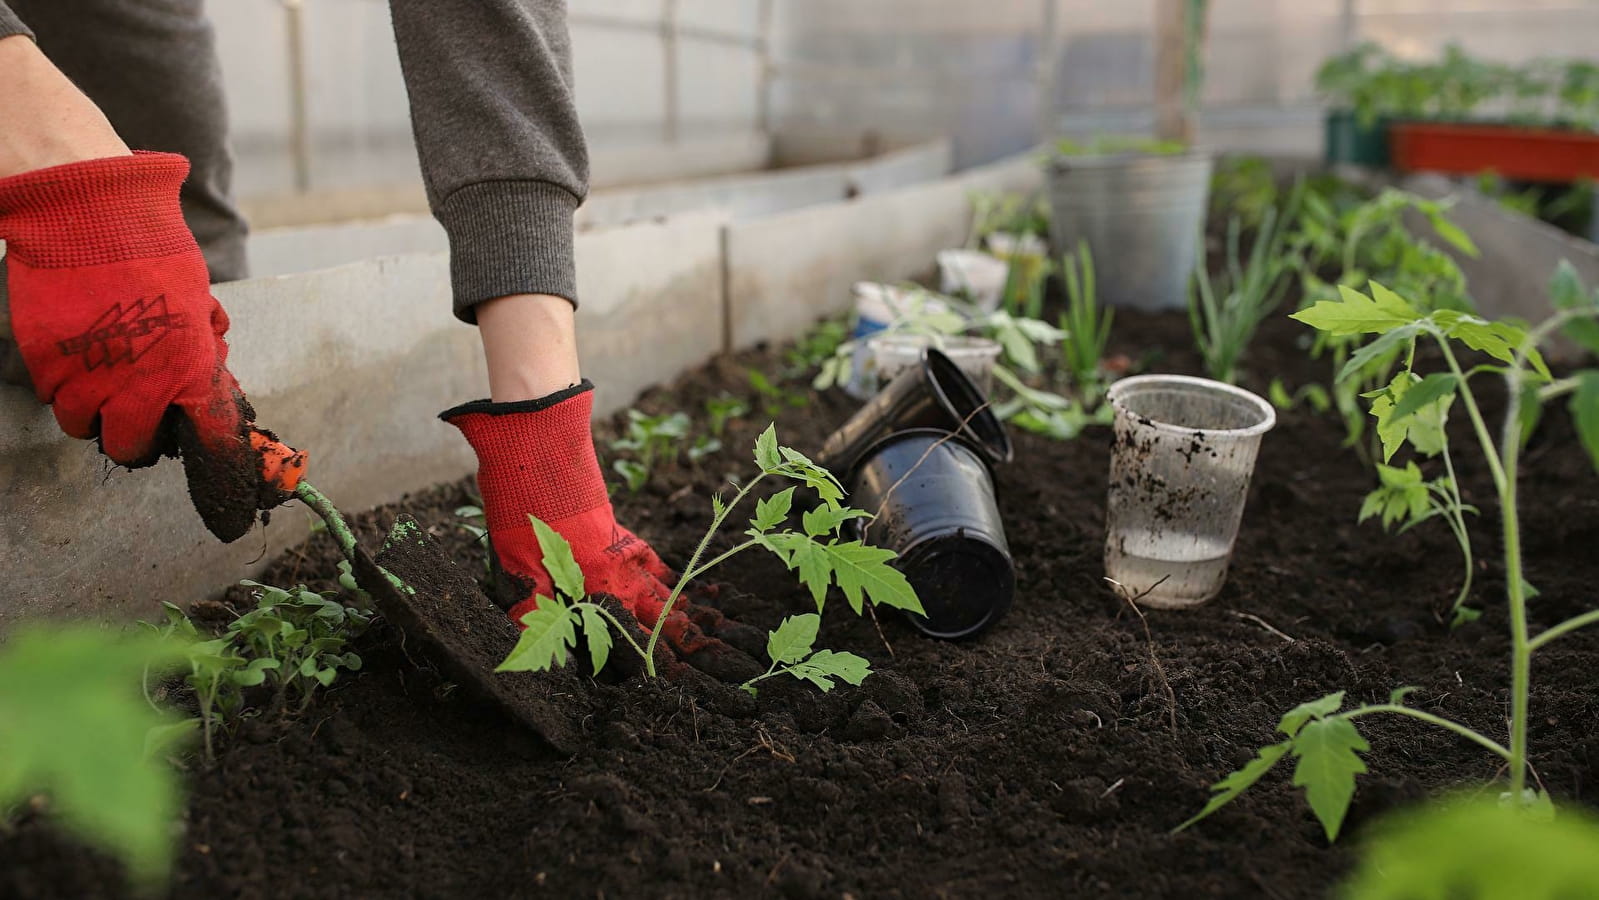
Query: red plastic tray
[(1528, 154)]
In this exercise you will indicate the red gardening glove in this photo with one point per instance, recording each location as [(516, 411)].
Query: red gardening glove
[(536, 457), (112, 313)]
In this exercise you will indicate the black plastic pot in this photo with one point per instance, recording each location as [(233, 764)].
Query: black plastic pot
[(935, 394), (933, 498)]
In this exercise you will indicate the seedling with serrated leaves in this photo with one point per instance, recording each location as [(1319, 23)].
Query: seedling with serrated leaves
[(1321, 734), (74, 730), (790, 649), (294, 640), (1371, 241), (653, 440), (819, 557)]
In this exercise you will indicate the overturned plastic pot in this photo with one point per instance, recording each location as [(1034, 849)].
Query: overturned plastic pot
[(935, 394), (932, 497)]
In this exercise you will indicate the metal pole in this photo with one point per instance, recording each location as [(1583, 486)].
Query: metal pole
[(299, 117), (1048, 64), (1348, 24), (763, 49), (669, 66)]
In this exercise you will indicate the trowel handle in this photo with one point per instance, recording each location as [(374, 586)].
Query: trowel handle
[(282, 466)]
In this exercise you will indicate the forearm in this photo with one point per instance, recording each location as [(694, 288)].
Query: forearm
[(47, 121), (502, 153)]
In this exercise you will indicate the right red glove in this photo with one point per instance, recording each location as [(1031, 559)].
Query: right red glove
[(537, 458), (113, 315)]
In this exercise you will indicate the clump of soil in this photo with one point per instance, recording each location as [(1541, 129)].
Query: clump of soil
[(1049, 757)]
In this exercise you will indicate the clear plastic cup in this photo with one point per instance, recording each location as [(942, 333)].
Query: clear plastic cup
[(894, 353), (878, 307), (1179, 472), (977, 275)]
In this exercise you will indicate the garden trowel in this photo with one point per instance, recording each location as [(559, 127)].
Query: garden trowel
[(434, 602)]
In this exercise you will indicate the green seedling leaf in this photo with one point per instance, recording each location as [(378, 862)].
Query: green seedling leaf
[(1397, 695), (1584, 407), (1295, 718), (766, 453), (1475, 847), (75, 728), (633, 472), (826, 520), (1425, 393), (1380, 353), (1450, 232), (1357, 313), (1568, 292), (771, 512), (255, 672), (1228, 789), (550, 628), (1403, 496), (1464, 615), (792, 640), (597, 634), (1499, 340), (1328, 752), (558, 560), (798, 466), (825, 665)]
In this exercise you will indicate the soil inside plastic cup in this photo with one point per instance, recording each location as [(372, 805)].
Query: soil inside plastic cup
[(1179, 474)]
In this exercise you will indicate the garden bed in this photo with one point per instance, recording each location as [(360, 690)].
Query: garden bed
[(1049, 757)]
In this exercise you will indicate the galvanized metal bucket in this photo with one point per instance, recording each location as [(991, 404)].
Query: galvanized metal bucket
[(1141, 215)]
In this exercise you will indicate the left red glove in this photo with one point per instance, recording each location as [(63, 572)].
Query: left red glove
[(113, 315)]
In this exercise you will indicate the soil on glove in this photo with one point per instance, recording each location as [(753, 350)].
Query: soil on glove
[(1049, 757)]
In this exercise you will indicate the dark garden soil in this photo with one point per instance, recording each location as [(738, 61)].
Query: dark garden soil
[(1048, 758)]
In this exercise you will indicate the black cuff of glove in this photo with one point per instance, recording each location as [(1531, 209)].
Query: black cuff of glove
[(489, 407)]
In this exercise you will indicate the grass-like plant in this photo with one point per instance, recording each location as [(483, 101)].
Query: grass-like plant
[(817, 554), (1086, 325), (1226, 311), (1321, 734)]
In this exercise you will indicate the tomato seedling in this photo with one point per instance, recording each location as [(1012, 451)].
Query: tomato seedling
[(1321, 734), (790, 649), (817, 554)]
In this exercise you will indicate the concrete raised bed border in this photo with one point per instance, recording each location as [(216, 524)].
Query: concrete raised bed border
[(353, 363)]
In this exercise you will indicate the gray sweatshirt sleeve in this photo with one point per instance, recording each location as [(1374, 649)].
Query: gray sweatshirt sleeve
[(10, 24), (503, 156)]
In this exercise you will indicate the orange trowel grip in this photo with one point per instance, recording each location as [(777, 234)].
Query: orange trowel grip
[(282, 466)]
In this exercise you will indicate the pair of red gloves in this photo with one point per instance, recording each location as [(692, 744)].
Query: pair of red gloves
[(112, 312)]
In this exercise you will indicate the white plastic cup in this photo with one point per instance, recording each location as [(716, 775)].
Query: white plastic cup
[(979, 276), (1005, 244), (1179, 472), (877, 307), (894, 353)]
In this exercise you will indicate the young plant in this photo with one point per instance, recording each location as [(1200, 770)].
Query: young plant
[(1226, 312), (1468, 846), (724, 408), (1321, 734), (789, 648), (1087, 328), (469, 516), (816, 346), (305, 633), (774, 397), (817, 554), (653, 441), (74, 730)]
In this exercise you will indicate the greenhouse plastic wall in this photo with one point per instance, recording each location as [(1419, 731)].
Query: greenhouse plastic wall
[(836, 78)]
